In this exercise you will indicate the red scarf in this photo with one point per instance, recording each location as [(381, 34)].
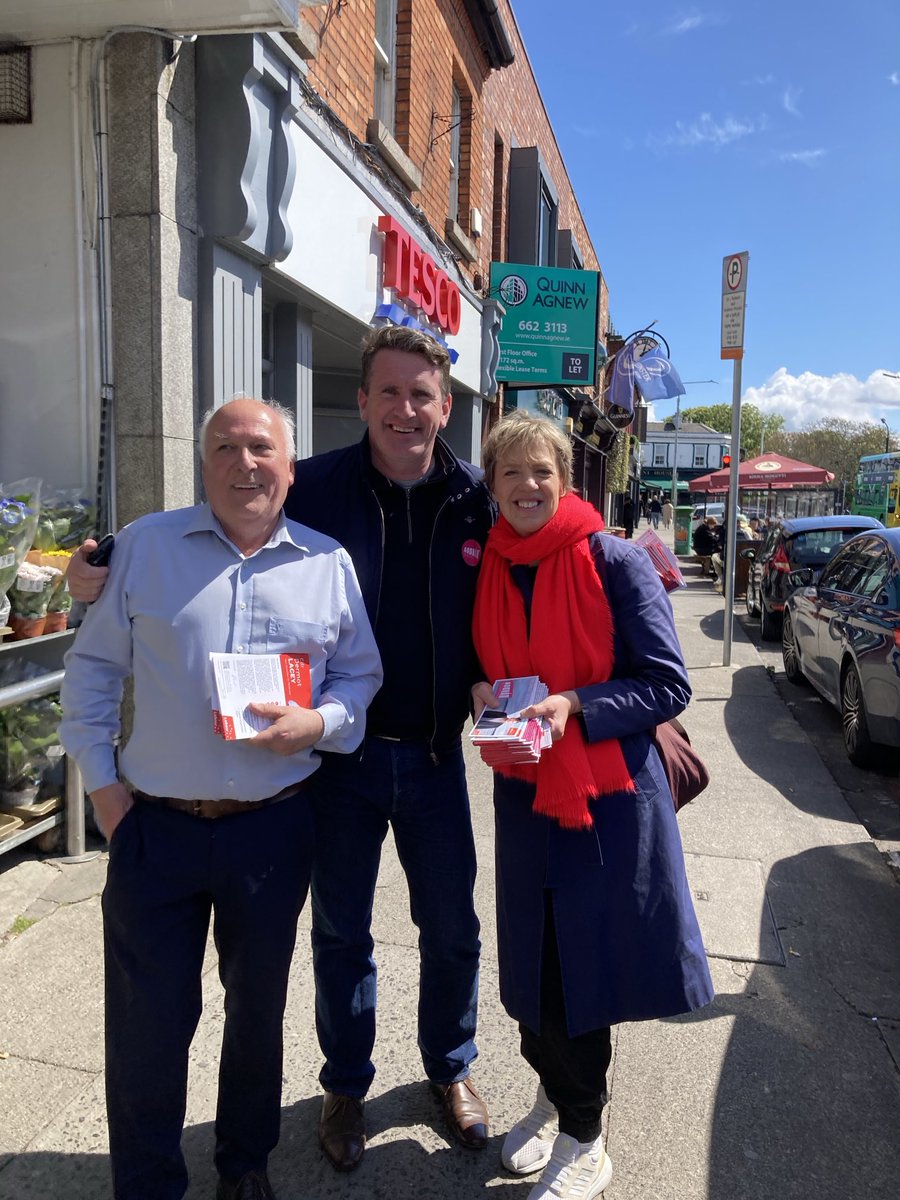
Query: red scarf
[(570, 646)]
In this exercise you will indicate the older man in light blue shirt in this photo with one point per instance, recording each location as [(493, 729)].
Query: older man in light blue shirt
[(207, 825)]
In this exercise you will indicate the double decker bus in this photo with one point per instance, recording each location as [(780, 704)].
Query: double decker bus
[(877, 492)]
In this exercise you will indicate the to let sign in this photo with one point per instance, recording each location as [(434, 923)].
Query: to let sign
[(549, 333), (734, 295)]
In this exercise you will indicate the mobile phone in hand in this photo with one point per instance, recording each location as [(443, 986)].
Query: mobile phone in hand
[(101, 556)]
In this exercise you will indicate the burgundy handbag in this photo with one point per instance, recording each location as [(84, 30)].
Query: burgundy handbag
[(685, 770)]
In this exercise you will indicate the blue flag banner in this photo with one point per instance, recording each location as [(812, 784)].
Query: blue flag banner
[(655, 377), (621, 383)]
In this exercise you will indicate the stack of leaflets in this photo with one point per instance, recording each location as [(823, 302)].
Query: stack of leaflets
[(505, 738), (243, 679), (664, 560)]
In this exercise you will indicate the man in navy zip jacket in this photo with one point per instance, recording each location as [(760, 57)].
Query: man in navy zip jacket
[(414, 519)]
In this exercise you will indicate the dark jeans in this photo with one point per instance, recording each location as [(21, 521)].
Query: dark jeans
[(572, 1070), (427, 806), (168, 872)]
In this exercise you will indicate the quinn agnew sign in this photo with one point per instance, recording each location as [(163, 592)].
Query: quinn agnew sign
[(549, 333)]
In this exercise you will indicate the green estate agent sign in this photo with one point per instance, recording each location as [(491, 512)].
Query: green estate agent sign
[(549, 333)]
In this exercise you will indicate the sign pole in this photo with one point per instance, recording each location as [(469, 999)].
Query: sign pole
[(731, 516), (734, 296)]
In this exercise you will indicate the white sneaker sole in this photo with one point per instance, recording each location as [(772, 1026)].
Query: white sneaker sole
[(537, 1165), (600, 1184)]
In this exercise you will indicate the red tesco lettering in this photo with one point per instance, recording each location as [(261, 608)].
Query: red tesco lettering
[(415, 276)]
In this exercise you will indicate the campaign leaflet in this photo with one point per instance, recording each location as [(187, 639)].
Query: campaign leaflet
[(243, 679), (502, 736)]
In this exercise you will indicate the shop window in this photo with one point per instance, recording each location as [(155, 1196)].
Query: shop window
[(385, 62), (533, 209)]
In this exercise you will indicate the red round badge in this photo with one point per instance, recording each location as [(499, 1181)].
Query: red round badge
[(471, 552)]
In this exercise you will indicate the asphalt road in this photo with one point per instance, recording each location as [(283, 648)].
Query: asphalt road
[(873, 794)]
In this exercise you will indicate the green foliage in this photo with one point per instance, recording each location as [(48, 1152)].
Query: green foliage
[(754, 423), (617, 466), (20, 924), (835, 443)]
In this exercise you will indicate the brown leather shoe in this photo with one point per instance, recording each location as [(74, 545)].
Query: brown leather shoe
[(466, 1112), (342, 1131)]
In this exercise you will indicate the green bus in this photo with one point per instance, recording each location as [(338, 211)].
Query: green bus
[(877, 492)]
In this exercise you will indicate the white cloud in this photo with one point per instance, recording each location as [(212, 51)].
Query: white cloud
[(688, 21), (692, 20), (804, 399), (789, 99), (705, 130), (809, 158), (894, 78), (759, 80)]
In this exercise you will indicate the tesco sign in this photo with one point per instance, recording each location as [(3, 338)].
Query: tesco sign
[(416, 277)]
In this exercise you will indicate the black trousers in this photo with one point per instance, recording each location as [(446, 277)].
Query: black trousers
[(572, 1069), (169, 873)]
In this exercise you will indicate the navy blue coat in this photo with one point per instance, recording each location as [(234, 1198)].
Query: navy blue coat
[(629, 944)]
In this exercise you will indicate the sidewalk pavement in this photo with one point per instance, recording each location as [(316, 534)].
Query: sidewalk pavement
[(786, 1086)]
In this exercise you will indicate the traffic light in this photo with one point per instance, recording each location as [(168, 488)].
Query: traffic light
[(726, 460)]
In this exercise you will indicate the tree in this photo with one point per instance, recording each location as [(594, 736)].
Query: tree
[(754, 423), (835, 443)]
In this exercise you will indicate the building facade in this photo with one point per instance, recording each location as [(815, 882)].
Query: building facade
[(197, 212), (695, 448)]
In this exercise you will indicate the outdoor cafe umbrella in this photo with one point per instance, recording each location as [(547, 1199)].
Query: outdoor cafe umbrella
[(768, 470)]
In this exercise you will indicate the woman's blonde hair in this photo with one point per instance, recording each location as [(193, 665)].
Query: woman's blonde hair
[(521, 431)]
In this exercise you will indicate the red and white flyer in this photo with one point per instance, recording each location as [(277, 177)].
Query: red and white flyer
[(243, 679), (502, 735)]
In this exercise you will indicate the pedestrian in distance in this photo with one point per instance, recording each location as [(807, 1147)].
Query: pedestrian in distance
[(208, 826), (414, 519), (668, 513), (628, 517), (655, 512), (595, 922)]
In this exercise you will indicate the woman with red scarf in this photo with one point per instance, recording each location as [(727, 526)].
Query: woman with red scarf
[(595, 922)]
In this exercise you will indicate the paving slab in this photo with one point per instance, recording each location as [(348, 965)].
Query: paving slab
[(20, 886), (51, 990), (733, 909)]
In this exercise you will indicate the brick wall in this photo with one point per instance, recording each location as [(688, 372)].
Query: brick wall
[(437, 48)]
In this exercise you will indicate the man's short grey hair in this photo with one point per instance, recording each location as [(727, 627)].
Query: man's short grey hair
[(288, 422)]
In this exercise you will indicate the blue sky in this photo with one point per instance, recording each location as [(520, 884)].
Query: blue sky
[(692, 132)]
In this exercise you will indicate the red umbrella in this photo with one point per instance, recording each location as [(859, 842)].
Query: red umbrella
[(768, 470), (703, 483)]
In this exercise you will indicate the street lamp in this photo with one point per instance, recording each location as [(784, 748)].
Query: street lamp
[(887, 432), (685, 383)]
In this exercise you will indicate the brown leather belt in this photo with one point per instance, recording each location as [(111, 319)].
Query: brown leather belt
[(210, 810)]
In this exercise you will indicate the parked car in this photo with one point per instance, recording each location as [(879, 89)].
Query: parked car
[(842, 634), (798, 542), (714, 509)]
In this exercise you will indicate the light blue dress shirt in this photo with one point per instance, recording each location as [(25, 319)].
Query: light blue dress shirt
[(179, 588)]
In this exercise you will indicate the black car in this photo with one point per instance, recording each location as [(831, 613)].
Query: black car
[(842, 634), (799, 542)]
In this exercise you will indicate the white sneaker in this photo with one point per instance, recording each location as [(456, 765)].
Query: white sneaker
[(576, 1171), (527, 1146)]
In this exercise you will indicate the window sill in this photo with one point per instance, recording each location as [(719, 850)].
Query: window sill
[(379, 135), (463, 244)]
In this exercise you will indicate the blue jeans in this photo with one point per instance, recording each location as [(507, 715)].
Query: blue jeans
[(355, 798), (168, 873)]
